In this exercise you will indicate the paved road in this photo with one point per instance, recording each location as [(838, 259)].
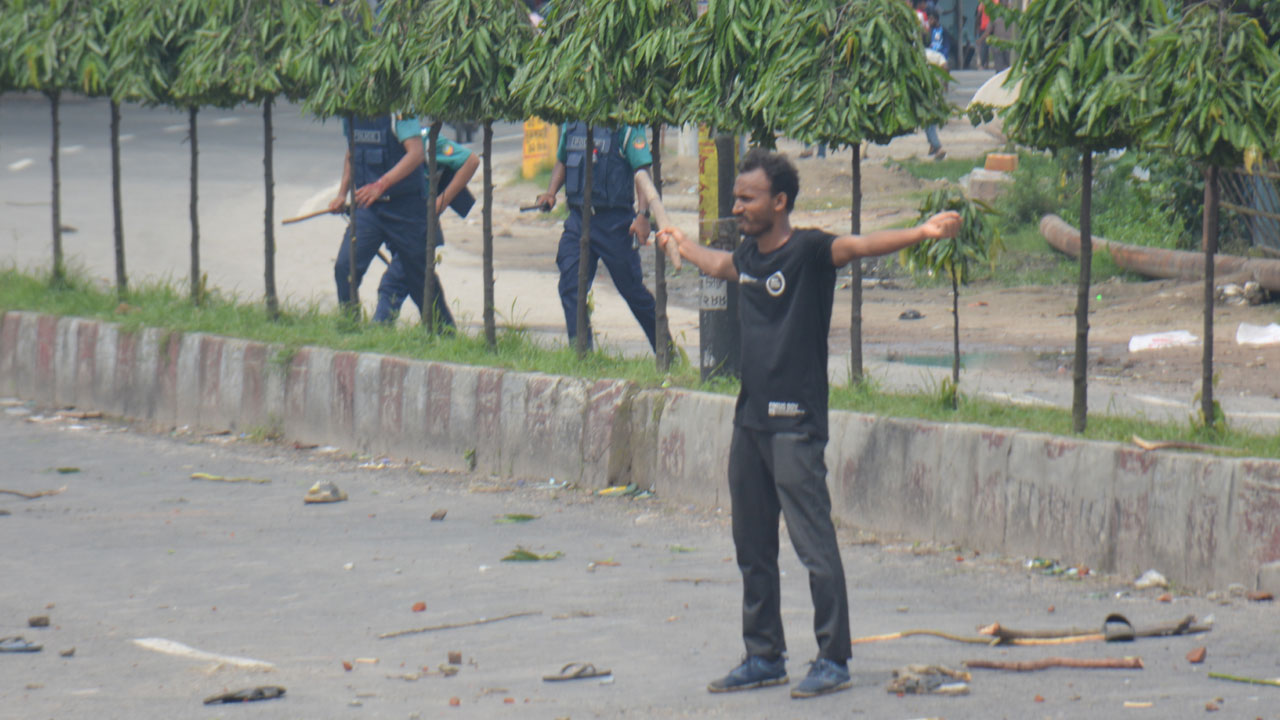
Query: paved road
[(134, 549)]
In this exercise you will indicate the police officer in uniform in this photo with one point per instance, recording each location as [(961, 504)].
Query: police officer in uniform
[(618, 154), (456, 165), (383, 163)]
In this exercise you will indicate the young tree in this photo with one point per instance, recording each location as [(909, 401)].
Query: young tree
[(977, 242), (646, 41), (568, 76), (337, 84), (1070, 56), (61, 50), (854, 70), (243, 52), (467, 53), (1208, 86)]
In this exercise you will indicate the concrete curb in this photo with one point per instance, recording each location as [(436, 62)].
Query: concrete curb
[(1203, 521)]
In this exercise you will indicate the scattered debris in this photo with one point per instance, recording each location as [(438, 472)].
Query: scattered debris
[(682, 549), (366, 661), (451, 626), (1211, 707), (1159, 341), (328, 450), (69, 652), (573, 614), (349, 566), (620, 490), (438, 515), (1251, 293), (910, 315), (455, 702), (1248, 334), (1137, 704), (80, 414), (34, 495), (576, 671), (171, 647), (591, 566), (520, 554), (324, 492), (219, 478), (35, 686), (38, 621), (1150, 579), (455, 657), (262, 692), (1124, 663), (1274, 682), (1259, 596), (449, 670), (1236, 590), (1165, 598), (1195, 657), (299, 445), (407, 677), (347, 666), (1053, 567), (67, 470), (929, 679), (514, 518), (698, 581), (4, 512), (419, 606), (17, 644), (380, 464)]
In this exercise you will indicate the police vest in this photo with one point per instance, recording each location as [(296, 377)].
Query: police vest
[(376, 151), (612, 179)]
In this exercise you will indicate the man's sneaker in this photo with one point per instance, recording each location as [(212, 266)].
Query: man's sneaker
[(825, 676), (754, 672)]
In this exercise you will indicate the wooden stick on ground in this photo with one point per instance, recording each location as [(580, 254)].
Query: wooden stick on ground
[(1125, 663), (1240, 679), (451, 626), (1179, 445), (931, 633), (34, 495)]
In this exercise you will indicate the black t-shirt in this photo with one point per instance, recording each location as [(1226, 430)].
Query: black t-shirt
[(784, 307)]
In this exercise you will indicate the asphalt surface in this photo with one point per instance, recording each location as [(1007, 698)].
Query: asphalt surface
[(134, 548)]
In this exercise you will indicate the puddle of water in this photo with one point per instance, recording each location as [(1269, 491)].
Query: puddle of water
[(985, 360)]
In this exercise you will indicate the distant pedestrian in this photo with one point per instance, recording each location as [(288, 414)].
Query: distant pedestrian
[(787, 279)]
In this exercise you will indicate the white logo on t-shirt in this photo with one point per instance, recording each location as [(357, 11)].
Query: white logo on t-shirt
[(776, 284), (784, 409)]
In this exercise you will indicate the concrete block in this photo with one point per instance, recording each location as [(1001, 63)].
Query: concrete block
[(253, 380), (603, 430), (986, 185), (1001, 162), (9, 325), (44, 373), (191, 369), (694, 434), (1255, 530), (295, 396), (318, 412), (87, 333), (391, 400), (969, 491), (342, 417), (366, 404), (409, 439), (637, 424), (24, 355), (1269, 578), (541, 429), (1187, 524), (226, 412), (1058, 501), (270, 394), (64, 361), (848, 434), (154, 373), (104, 393)]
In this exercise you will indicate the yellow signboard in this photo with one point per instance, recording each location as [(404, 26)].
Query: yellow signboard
[(540, 140)]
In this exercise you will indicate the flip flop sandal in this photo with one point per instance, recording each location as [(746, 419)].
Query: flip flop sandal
[(262, 692), (17, 644), (1117, 628), (577, 671)]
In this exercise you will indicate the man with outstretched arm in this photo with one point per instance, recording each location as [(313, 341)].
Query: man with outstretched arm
[(787, 277)]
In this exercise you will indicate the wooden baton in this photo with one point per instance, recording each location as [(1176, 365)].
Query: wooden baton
[(650, 193)]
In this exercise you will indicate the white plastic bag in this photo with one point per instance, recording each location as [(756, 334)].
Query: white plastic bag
[(1248, 334), (1159, 341)]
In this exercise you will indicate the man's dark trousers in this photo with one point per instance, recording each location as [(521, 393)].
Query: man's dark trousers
[(610, 242), (785, 472)]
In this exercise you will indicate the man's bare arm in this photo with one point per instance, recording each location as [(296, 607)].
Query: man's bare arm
[(716, 263), (882, 242), (557, 179)]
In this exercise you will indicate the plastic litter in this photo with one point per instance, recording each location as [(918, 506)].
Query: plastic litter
[(1162, 340), (1258, 335)]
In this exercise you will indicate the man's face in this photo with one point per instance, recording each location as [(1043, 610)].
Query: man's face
[(755, 205)]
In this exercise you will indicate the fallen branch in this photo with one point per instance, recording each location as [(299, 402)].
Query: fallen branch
[(1180, 445), (219, 478), (1239, 679), (996, 634), (931, 633), (451, 626), (34, 495), (1124, 663)]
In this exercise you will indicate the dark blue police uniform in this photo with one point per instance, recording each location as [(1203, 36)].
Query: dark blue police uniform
[(613, 210)]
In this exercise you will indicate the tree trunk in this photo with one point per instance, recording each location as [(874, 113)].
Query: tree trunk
[(59, 268), (584, 245), (490, 322), (268, 215), (122, 281), (661, 322), (1210, 248), (1080, 363), (433, 220), (353, 300), (197, 287), (955, 333), (855, 273)]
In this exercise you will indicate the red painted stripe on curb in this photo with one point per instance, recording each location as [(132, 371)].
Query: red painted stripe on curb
[(439, 400), (344, 391), (253, 383), (391, 395)]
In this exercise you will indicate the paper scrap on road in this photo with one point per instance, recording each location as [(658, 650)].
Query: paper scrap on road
[(171, 647), (1162, 340), (1248, 334)]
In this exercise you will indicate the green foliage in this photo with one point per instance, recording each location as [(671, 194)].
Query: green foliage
[(848, 71), (1209, 88), (730, 49), (337, 83), (63, 43), (606, 62), (144, 51), (465, 54), (244, 51), (1070, 59), (977, 242)]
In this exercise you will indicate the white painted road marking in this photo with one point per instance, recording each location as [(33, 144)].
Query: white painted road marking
[(22, 164), (126, 137), (226, 121), (72, 149), (175, 128)]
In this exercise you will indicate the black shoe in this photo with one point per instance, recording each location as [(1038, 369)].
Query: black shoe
[(825, 676), (754, 672)]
